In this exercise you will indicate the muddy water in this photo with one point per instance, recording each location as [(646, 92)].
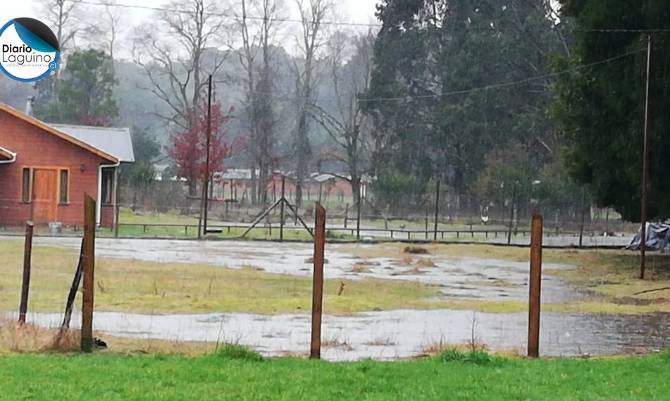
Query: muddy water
[(456, 276), (393, 334)]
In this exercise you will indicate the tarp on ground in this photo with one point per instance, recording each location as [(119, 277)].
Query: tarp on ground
[(657, 237)]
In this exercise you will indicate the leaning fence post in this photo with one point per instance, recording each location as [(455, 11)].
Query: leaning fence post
[(535, 287), (25, 286), (69, 303), (317, 285), (88, 269)]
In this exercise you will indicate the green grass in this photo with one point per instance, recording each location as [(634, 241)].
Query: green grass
[(213, 377)]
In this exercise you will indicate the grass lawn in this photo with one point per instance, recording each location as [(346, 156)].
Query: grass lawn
[(237, 375)]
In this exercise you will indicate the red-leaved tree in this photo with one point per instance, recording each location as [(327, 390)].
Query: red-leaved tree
[(189, 146)]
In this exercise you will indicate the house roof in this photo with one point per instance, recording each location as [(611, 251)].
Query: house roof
[(55, 132), (6, 155), (114, 141)]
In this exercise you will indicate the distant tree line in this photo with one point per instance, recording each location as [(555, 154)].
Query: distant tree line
[(518, 101)]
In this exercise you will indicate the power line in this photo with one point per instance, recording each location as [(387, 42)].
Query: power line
[(218, 14), (325, 22), (475, 89), (511, 83)]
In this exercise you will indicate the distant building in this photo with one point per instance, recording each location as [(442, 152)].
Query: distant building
[(45, 169)]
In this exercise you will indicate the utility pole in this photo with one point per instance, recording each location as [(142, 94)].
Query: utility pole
[(645, 168), (205, 180)]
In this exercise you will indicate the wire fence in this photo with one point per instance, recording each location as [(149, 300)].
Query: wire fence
[(165, 210)]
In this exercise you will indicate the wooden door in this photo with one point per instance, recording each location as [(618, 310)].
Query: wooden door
[(45, 196)]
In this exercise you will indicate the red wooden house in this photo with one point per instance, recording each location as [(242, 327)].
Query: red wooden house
[(45, 170)]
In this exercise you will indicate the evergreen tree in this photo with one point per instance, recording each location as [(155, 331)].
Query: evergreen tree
[(85, 94), (601, 108), (436, 93)]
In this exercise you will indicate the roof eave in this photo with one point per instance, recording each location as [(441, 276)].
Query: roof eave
[(39, 124)]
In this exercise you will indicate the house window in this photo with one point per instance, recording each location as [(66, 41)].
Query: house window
[(25, 189), (63, 195), (107, 186)]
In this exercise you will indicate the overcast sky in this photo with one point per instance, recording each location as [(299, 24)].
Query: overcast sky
[(356, 11), (349, 10)]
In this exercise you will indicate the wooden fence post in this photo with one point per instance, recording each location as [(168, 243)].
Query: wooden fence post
[(437, 209), (346, 215), (358, 212), (88, 269), (25, 286), (281, 210), (535, 287), (317, 285)]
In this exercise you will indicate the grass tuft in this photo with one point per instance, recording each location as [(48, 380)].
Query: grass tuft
[(666, 354), (477, 357), (238, 352)]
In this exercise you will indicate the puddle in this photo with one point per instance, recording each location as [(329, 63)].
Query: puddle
[(461, 277), (392, 334)]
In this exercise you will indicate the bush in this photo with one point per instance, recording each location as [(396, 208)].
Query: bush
[(238, 352)]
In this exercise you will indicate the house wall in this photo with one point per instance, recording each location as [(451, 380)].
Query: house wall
[(37, 148)]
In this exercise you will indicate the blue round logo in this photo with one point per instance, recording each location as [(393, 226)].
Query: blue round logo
[(29, 50)]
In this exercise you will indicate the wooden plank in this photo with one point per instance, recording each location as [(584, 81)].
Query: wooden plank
[(317, 284), (534, 295), (25, 285), (88, 268)]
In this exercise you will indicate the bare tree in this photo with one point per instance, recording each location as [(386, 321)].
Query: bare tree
[(62, 16), (247, 59), (312, 15), (264, 89), (257, 38), (347, 126), (105, 28), (177, 53)]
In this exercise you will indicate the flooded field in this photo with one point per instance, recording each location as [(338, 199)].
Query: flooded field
[(385, 334), (393, 334), (456, 275)]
